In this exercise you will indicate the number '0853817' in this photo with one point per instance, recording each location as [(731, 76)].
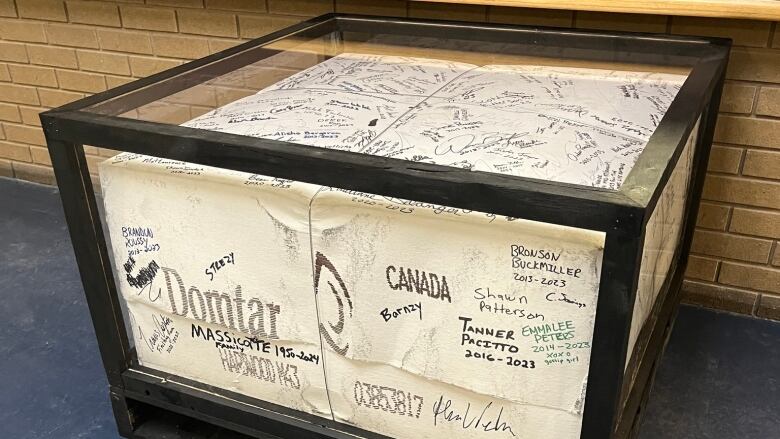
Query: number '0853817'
[(388, 399)]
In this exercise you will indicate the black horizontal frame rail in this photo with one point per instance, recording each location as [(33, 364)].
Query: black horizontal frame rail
[(512, 196), (232, 410), (580, 44)]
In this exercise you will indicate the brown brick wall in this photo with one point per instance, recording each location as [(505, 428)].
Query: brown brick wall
[(54, 51)]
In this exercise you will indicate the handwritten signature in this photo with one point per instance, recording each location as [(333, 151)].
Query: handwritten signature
[(562, 297), (460, 144), (447, 413), (164, 335)]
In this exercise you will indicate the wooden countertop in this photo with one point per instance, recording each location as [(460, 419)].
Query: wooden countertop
[(747, 9)]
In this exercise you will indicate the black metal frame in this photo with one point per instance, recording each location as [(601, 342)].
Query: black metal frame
[(621, 214)]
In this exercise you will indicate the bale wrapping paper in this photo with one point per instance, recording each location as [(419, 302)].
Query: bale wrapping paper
[(404, 318)]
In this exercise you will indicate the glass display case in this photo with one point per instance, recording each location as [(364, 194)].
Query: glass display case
[(375, 227)]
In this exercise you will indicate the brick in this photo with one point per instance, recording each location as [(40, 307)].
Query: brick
[(24, 134), (719, 297), (768, 102), (180, 3), (136, 17), (759, 193), (725, 245), (6, 170), (768, 307), (180, 47), (750, 276), (300, 7), (742, 32), (701, 268), (755, 222), (620, 22), (760, 163), (748, 131), (57, 98), (33, 75), (261, 78), (209, 22), (98, 13), (19, 94), (116, 81), (72, 35), (92, 165), (227, 95), (124, 41), (234, 78), (36, 173), (725, 159), (20, 30), (40, 155), (238, 5), (52, 56), (253, 26), (737, 98), (15, 151), (390, 8), (713, 216), (30, 115), (15, 52), (196, 111), (220, 45), (5, 74), (754, 65), (164, 112), (143, 66), (81, 81), (7, 8), (103, 62), (444, 11), (202, 95), (530, 16), (105, 152), (9, 112), (49, 10)]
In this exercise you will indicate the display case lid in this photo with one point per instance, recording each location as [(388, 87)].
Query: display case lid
[(576, 114)]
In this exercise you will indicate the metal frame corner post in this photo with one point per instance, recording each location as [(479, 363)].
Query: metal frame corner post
[(86, 233), (617, 290), (125, 412)]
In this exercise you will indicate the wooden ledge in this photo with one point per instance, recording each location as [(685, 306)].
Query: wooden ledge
[(745, 9)]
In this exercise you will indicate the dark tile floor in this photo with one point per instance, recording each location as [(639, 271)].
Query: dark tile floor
[(719, 378)]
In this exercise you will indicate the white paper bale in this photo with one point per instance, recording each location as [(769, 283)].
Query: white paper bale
[(215, 268), (452, 306)]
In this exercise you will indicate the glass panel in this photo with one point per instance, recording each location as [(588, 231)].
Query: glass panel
[(662, 237), (390, 315), (467, 104)]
